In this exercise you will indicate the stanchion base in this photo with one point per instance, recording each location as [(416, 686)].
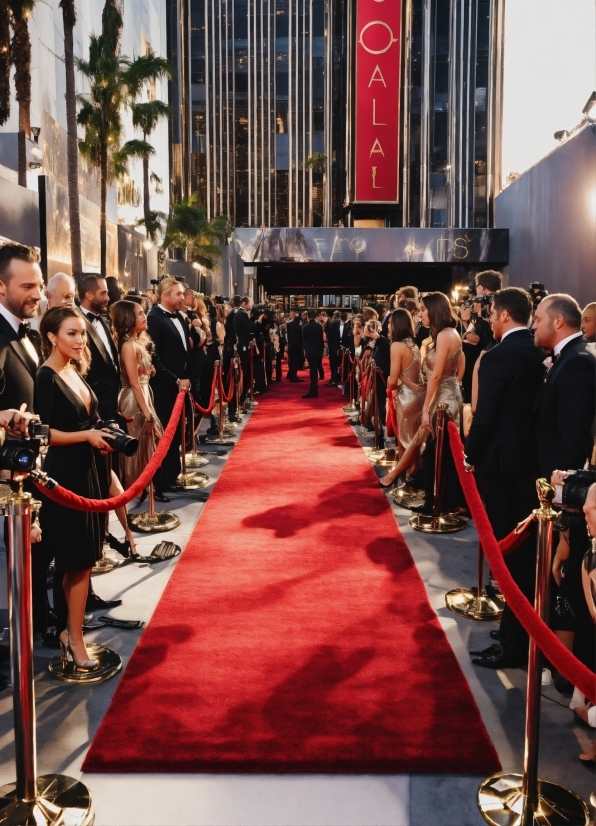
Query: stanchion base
[(109, 661), (104, 565), (501, 803), (193, 460), (375, 455), (153, 522), (230, 426), (389, 457), (224, 440), (406, 497), (351, 408), (60, 800), (465, 602), (446, 523), (193, 480)]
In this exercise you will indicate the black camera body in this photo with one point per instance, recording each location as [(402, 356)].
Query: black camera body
[(264, 309), (120, 440), (575, 488), (485, 302), (20, 455)]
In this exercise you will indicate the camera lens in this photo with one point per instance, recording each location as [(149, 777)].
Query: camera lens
[(17, 458)]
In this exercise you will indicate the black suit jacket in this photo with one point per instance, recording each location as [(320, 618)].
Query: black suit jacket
[(294, 332), (382, 355), (230, 338), (104, 373), (333, 339), (245, 328), (502, 439), (170, 358), (565, 410), (385, 325), (17, 370), (312, 336)]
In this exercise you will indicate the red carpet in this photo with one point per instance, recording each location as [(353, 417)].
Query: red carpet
[(295, 634)]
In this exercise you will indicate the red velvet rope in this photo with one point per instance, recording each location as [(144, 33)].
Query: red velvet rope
[(227, 397), (211, 405), (72, 500), (563, 660)]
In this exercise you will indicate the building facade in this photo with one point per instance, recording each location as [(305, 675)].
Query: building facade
[(268, 123)]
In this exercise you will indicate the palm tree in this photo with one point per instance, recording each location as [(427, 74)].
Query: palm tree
[(145, 116), (21, 57), (189, 228), (69, 19), (5, 61), (115, 83)]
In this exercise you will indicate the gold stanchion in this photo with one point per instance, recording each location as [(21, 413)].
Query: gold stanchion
[(474, 603), (194, 459), (195, 479), (507, 799), (153, 521), (221, 438), (51, 798), (439, 522), (105, 563), (375, 453)]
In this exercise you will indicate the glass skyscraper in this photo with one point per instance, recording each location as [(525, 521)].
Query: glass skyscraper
[(262, 111)]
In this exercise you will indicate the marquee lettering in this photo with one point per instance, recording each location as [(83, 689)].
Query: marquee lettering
[(376, 147), (391, 40), (374, 178), (375, 122), (377, 77)]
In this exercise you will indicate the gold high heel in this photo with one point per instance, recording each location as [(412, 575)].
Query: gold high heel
[(64, 647), (87, 665)]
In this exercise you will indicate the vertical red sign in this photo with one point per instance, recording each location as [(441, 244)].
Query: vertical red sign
[(376, 124)]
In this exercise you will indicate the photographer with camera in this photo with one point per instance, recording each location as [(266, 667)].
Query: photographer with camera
[(487, 283), (68, 405)]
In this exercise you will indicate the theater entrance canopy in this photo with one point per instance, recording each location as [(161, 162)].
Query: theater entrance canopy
[(290, 260)]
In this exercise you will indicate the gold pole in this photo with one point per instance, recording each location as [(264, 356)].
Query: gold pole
[(51, 798), (474, 603), (222, 438), (507, 799), (193, 459), (439, 522), (195, 479)]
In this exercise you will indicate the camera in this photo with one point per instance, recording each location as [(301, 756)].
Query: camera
[(485, 302), (537, 292), (121, 441), (20, 455), (575, 489), (266, 310)]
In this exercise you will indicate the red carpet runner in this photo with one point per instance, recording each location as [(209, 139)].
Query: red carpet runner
[(295, 634)]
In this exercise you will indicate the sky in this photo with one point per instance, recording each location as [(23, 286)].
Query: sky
[(549, 74)]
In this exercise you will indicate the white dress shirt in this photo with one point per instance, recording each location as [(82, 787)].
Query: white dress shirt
[(15, 323), (101, 331), (178, 325), (561, 344), (513, 330)]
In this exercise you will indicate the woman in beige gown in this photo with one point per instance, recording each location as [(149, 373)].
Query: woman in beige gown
[(135, 401), (405, 377)]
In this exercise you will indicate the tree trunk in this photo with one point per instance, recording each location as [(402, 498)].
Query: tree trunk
[(5, 62), (21, 52), (146, 192), (72, 150), (103, 186)]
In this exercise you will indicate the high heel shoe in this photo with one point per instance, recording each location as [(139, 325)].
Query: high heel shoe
[(87, 665), (142, 498), (63, 640), (123, 548)]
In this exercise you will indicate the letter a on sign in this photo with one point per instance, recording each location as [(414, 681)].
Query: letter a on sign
[(377, 86)]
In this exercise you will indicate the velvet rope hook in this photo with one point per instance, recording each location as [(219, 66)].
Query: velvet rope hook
[(563, 660), (72, 500)]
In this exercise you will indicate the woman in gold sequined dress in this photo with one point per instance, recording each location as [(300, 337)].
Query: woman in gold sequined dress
[(135, 401)]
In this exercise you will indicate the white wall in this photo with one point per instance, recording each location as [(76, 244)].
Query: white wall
[(550, 72)]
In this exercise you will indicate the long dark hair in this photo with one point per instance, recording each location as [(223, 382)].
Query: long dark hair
[(124, 319), (401, 325), (50, 323), (440, 313)]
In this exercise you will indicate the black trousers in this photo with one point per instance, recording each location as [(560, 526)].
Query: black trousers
[(279, 357), (508, 500), (245, 365), (295, 355), (171, 467), (314, 365), (228, 355)]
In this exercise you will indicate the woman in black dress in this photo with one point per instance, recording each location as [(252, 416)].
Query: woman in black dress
[(69, 406)]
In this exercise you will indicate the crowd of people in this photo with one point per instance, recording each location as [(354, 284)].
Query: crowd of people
[(515, 368)]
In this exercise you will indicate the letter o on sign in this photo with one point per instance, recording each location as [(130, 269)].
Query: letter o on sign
[(389, 44)]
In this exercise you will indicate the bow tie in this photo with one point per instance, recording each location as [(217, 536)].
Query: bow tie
[(24, 328), (92, 317), (554, 358), (171, 315)]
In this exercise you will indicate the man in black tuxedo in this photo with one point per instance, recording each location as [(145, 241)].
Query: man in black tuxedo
[(104, 372), (565, 412), (312, 337), (384, 316), (346, 340), (230, 342), (501, 446), (173, 340), (333, 339), (295, 351), (246, 328), (565, 405)]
